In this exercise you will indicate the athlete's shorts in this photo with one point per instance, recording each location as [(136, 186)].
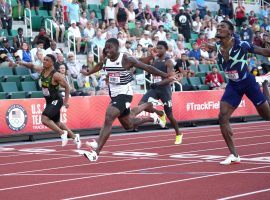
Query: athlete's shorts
[(52, 110), (234, 92), (165, 95), (122, 103)]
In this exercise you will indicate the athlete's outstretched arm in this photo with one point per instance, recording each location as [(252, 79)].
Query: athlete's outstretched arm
[(95, 69), (262, 51), (58, 78), (133, 62), (30, 66)]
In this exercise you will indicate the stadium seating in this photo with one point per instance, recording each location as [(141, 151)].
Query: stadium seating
[(204, 68), (12, 90)]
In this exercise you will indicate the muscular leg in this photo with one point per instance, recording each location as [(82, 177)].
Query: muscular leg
[(148, 107), (130, 122), (226, 110), (111, 114), (174, 123), (264, 110), (51, 124), (266, 91)]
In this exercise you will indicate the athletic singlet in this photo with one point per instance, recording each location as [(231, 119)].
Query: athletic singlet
[(161, 65), (236, 68), (119, 77), (50, 91)]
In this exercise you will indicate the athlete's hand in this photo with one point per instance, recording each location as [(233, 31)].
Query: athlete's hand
[(172, 76), (66, 104), (153, 52)]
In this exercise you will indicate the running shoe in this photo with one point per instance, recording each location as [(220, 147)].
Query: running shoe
[(155, 102), (178, 139), (157, 120), (93, 145), (77, 141), (91, 156), (64, 138), (231, 159)]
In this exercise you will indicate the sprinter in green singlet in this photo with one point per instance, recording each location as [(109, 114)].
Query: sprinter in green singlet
[(50, 81)]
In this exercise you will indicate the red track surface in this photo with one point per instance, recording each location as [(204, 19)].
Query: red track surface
[(142, 166)]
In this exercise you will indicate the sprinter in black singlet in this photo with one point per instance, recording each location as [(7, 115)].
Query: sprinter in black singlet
[(161, 88), (50, 81)]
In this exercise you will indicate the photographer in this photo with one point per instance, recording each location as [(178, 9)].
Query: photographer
[(6, 16)]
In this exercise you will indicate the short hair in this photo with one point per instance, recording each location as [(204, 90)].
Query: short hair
[(113, 41), (230, 24), (52, 58), (20, 29), (40, 42), (163, 43)]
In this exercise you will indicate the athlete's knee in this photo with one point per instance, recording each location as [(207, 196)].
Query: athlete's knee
[(223, 118), (128, 126)]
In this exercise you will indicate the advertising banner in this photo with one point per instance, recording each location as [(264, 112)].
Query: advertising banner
[(24, 115)]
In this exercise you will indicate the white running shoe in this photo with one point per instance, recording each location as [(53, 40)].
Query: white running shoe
[(158, 120), (93, 145), (91, 156), (64, 138), (77, 141), (231, 159), (155, 102)]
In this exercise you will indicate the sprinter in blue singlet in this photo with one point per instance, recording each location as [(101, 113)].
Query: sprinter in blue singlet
[(232, 57)]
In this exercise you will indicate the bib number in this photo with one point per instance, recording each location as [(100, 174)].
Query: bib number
[(114, 78), (232, 75), (46, 92)]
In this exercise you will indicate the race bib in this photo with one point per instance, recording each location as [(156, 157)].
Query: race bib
[(114, 78), (157, 79), (46, 92), (232, 75)]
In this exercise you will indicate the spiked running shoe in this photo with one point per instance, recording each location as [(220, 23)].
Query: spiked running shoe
[(178, 139), (231, 159)]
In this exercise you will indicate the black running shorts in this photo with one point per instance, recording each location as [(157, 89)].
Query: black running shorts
[(52, 110), (122, 103), (164, 95)]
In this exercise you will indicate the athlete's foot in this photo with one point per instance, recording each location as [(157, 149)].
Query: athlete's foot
[(93, 145), (155, 102), (231, 159), (178, 139), (64, 138), (91, 156), (77, 141), (158, 120)]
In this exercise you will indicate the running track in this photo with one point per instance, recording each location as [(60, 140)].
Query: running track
[(142, 167)]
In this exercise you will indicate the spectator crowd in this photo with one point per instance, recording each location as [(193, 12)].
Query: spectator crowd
[(138, 28)]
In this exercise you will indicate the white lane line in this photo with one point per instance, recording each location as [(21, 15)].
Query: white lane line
[(89, 177), (151, 148), (132, 173), (193, 130), (245, 194), (69, 166), (161, 183)]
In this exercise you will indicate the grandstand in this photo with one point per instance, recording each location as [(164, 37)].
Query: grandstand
[(33, 21)]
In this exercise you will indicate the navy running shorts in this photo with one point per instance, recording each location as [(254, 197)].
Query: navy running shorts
[(235, 91)]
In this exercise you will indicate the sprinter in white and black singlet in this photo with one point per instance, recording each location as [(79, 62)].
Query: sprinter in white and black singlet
[(118, 67), (160, 88)]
